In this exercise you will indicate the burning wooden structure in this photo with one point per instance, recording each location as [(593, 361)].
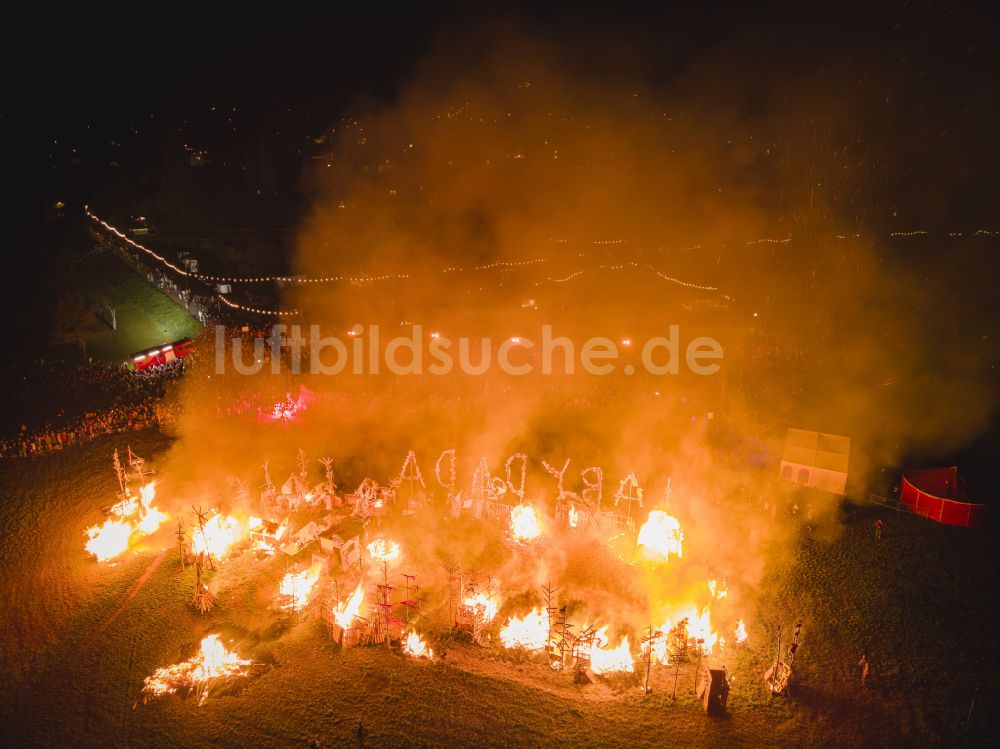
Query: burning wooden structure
[(779, 675), (212, 664)]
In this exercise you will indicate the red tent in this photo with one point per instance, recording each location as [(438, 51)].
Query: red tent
[(941, 494)]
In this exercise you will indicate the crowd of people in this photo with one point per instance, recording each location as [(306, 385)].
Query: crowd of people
[(60, 405)]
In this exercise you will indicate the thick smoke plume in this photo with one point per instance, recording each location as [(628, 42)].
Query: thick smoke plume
[(618, 207)]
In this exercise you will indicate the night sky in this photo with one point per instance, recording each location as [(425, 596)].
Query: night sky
[(92, 84)]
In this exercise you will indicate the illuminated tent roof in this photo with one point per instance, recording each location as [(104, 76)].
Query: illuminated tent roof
[(816, 459), (941, 494)]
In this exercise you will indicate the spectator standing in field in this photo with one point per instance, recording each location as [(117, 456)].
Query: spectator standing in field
[(878, 529)]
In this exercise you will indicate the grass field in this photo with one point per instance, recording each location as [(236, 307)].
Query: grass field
[(146, 316), (79, 637)]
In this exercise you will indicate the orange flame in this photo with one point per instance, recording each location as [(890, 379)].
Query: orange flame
[(718, 591), (134, 518), (382, 550), (530, 632), (741, 632), (525, 524), (484, 606), (661, 537), (416, 647), (345, 612), (605, 660), (213, 661), (297, 587), (220, 534)]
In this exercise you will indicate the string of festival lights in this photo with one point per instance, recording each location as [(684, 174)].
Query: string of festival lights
[(497, 265), (256, 310)]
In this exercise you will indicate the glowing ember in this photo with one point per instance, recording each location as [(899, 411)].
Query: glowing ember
[(416, 647), (530, 632), (297, 587), (134, 518), (605, 660), (217, 537), (383, 551), (661, 536), (345, 612), (574, 516), (213, 661), (525, 524), (741, 632), (484, 606)]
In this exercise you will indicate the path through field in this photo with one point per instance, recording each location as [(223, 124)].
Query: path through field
[(136, 587)]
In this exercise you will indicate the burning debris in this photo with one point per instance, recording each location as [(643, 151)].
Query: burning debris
[(530, 632), (346, 624), (605, 660), (266, 535), (415, 646), (296, 587), (211, 664)]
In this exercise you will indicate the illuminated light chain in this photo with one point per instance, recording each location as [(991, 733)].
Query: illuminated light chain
[(257, 310), (511, 263), (682, 283), (135, 244), (450, 486), (455, 269), (567, 278), (240, 279), (976, 233), (517, 490), (623, 266)]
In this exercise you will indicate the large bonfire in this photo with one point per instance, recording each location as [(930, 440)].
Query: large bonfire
[(213, 662), (131, 519)]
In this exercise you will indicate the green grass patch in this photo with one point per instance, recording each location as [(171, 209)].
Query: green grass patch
[(146, 316)]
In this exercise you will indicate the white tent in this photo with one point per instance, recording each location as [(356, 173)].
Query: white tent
[(816, 459)]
